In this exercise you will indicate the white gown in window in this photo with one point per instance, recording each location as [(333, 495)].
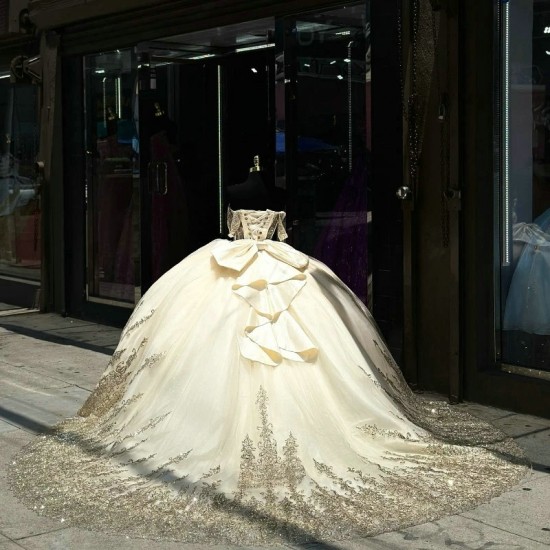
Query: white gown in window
[(251, 399), (528, 303)]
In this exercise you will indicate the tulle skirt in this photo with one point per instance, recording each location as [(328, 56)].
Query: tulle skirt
[(251, 398)]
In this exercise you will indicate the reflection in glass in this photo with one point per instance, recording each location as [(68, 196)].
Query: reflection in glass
[(331, 141), (112, 175), (209, 101), (20, 250), (214, 87), (525, 180), (179, 148)]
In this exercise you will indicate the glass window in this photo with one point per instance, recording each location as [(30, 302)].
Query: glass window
[(112, 178), (524, 184), (331, 140), (20, 251), (172, 129)]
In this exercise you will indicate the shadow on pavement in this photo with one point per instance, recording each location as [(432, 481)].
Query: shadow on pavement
[(538, 467), (22, 421), (56, 339)]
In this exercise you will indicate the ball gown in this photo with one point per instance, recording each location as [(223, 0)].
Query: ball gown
[(251, 399), (528, 302)]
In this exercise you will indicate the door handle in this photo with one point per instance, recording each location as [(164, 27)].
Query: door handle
[(404, 193), (157, 177)]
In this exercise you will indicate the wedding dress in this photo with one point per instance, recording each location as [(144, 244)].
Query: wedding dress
[(251, 399)]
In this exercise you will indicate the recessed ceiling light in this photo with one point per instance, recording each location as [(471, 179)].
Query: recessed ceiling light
[(203, 56), (259, 47)]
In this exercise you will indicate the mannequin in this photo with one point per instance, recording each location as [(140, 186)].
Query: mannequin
[(253, 193)]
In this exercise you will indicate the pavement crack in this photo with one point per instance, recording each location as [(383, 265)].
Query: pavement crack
[(11, 540), (27, 537), (82, 388), (503, 530)]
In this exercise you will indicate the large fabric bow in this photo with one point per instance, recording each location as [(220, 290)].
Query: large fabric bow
[(237, 254), (270, 275)]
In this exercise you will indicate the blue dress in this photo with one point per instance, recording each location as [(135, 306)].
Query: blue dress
[(528, 303)]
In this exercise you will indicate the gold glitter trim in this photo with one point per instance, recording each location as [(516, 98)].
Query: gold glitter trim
[(73, 475), (129, 329), (112, 385), (268, 470)]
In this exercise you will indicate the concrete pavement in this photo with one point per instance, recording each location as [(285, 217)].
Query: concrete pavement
[(48, 366)]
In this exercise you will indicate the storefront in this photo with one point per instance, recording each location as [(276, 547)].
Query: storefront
[(20, 208), (475, 296), (507, 292), (419, 178), (187, 114), (478, 259), (162, 131)]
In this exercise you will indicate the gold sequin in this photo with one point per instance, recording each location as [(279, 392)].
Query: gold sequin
[(112, 385), (71, 475), (131, 327)]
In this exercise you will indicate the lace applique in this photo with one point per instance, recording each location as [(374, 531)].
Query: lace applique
[(71, 475), (282, 235), (233, 223), (256, 224)]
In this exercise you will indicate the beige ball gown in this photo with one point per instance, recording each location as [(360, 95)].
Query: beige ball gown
[(251, 399)]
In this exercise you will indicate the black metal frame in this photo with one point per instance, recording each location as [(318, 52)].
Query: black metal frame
[(387, 177), (484, 379), (18, 292)]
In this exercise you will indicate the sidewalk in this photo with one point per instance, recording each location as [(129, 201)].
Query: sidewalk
[(48, 366)]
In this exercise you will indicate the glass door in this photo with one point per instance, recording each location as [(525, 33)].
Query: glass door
[(324, 131), (169, 125), (205, 110), (180, 167), (112, 178), (172, 124), (20, 211)]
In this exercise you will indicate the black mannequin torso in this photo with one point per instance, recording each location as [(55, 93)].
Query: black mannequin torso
[(252, 194)]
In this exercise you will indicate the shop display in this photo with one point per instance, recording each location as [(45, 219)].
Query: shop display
[(528, 302)]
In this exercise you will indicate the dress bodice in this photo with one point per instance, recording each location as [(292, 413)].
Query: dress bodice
[(256, 224)]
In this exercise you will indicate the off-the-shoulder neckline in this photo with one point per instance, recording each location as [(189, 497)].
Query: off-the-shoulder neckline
[(267, 210)]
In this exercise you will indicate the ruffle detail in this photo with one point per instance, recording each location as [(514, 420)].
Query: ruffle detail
[(531, 233), (270, 276)]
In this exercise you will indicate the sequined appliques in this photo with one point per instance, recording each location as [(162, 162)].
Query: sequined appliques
[(375, 431), (112, 385), (130, 328), (263, 467), (283, 493), (120, 372)]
